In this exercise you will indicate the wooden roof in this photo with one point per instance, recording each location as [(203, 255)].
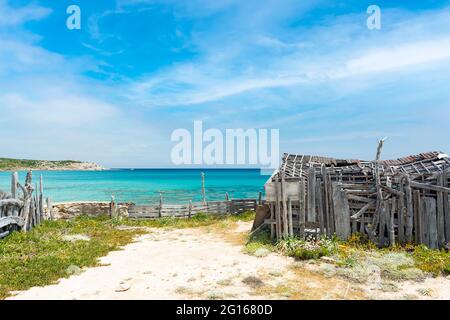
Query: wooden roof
[(296, 165)]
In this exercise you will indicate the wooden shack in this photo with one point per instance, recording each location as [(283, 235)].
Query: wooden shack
[(388, 201)]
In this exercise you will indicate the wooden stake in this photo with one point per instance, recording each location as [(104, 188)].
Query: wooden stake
[(203, 188)]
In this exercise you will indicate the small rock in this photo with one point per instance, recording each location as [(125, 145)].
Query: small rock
[(328, 260), (261, 252), (73, 269), (122, 287), (76, 237)]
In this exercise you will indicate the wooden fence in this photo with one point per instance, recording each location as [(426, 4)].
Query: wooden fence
[(22, 208), (234, 206)]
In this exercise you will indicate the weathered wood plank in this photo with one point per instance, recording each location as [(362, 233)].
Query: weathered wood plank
[(341, 213), (446, 200), (440, 214), (291, 226), (391, 224), (401, 215), (326, 209), (278, 209), (272, 216), (302, 209), (418, 220), (425, 186), (311, 205), (409, 210), (319, 202), (285, 210), (429, 209), (382, 223), (6, 221)]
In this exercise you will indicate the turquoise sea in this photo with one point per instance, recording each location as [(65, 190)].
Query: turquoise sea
[(143, 186)]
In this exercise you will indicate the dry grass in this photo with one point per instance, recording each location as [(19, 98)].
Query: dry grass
[(304, 284)]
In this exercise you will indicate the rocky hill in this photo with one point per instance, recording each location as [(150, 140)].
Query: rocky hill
[(7, 164)]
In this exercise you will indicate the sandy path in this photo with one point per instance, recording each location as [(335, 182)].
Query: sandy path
[(166, 264), (202, 263)]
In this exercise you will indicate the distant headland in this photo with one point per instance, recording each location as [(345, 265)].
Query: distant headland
[(8, 164)]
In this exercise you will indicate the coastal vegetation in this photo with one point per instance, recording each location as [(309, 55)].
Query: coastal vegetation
[(357, 259), (8, 164)]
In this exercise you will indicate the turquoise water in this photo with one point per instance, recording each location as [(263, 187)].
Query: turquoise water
[(142, 186)]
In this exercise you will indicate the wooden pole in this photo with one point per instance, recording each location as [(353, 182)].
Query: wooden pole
[(291, 227), (190, 209), (302, 209), (376, 216), (440, 213), (277, 208), (391, 222), (285, 211), (112, 207), (50, 209), (14, 180), (203, 188), (446, 205), (409, 210), (160, 204), (326, 213), (401, 213), (28, 196), (272, 217), (311, 204), (319, 202), (41, 198)]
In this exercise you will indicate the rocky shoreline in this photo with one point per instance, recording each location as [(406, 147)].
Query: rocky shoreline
[(52, 166)]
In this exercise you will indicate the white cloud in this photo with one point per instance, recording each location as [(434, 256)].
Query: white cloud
[(406, 55), (316, 57), (16, 16), (65, 111)]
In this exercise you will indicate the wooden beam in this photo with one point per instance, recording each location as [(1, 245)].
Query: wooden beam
[(426, 186)]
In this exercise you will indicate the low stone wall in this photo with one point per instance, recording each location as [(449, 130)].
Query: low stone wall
[(70, 210)]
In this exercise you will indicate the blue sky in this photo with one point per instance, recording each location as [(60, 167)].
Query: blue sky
[(114, 91)]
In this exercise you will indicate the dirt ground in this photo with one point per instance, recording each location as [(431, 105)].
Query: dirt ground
[(204, 263)]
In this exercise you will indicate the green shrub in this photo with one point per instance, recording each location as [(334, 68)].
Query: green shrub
[(435, 262), (307, 249)]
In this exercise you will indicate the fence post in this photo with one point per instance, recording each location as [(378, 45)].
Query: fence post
[(14, 180), (260, 198), (112, 207), (50, 209), (190, 208), (203, 188), (160, 204)]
